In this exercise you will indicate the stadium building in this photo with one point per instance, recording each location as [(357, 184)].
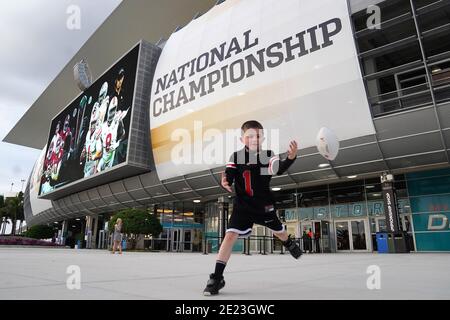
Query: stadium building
[(375, 72)]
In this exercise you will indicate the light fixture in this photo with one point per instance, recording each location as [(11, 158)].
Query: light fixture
[(376, 194), (324, 165), (352, 177), (436, 69), (370, 187), (276, 189), (196, 201), (78, 219)]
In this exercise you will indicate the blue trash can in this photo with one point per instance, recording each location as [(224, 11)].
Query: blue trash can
[(382, 242), (124, 244)]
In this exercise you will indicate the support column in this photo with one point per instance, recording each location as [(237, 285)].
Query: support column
[(88, 231), (63, 235), (94, 233), (223, 217), (390, 203), (398, 242)]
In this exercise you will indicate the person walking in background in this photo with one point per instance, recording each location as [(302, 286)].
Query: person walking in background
[(117, 236)]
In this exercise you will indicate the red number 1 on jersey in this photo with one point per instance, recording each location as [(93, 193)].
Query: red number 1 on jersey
[(248, 182)]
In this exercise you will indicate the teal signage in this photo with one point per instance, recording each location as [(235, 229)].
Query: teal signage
[(345, 210), (429, 193)]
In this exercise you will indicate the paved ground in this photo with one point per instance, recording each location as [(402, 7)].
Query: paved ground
[(40, 273)]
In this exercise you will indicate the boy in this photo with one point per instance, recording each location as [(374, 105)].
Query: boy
[(251, 170)]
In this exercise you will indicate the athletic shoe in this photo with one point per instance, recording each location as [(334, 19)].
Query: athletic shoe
[(214, 285), (293, 248)]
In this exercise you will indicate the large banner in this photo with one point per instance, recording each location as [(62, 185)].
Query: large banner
[(90, 135), (291, 65)]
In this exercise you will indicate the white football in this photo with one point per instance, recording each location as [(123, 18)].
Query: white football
[(327, 143)]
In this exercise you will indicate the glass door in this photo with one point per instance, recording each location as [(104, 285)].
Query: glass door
[(307, 243), (342, 236), (407, 226), (187, 240), (175, 236), (325, 237), (351, 235), (359, 238)]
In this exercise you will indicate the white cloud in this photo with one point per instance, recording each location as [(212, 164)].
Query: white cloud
[(36, 45)]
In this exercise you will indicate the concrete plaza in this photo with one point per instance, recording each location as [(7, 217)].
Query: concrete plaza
[(40, 273)]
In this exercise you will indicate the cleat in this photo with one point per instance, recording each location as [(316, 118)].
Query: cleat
[(293, 248), (214, 285)]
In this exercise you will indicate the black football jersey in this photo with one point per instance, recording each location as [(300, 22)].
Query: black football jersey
[(251, 173)]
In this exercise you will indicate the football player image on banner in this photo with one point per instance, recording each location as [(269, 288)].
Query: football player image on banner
[(91, 134), (112, 134)]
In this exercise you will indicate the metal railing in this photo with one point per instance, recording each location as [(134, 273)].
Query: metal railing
[(264, 245)]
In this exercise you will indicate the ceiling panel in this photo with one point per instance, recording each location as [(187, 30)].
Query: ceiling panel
[(406, 123), (411, 145)]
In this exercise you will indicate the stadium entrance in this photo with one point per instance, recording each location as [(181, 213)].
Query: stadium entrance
[(181, 240), (351, 235), (315, 235)]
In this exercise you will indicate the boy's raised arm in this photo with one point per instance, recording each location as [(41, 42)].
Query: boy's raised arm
[(277, 166), (230, 173)]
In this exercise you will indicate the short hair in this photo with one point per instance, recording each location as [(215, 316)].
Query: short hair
[(251, 124)]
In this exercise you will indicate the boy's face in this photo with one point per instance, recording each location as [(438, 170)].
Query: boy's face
[(253, 138)]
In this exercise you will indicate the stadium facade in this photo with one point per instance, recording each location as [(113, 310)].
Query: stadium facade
[(382, 85)]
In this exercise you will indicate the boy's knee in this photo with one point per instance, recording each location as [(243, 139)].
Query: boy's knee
[(231, 235)]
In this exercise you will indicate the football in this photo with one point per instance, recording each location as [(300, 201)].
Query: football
[(327, 143)]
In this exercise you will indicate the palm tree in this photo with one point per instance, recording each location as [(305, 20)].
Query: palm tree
[(13, 209), (3, 215), (20, 213)]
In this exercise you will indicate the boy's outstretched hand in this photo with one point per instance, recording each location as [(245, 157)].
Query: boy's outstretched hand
[(225, 183), (292, 152)]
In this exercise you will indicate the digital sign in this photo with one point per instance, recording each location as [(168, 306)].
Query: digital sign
[(90, 136)]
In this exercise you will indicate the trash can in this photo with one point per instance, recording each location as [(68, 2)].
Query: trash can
[(391, 246), (124, 244), (382, 242), (397, 243), (400, 243)]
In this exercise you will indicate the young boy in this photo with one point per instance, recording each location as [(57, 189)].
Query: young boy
[(251, 170)]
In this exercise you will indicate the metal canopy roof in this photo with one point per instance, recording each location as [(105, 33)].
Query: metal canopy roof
[(130, 22)]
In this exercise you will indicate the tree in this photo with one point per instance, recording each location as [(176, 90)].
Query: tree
[(3, 218), (39, 232), (136, 223), (13, 209)]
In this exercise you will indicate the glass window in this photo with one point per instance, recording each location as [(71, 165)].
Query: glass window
[(374, 192), (346, 195), (396, 45), (285, 198), (342, 236), (359, 235)]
